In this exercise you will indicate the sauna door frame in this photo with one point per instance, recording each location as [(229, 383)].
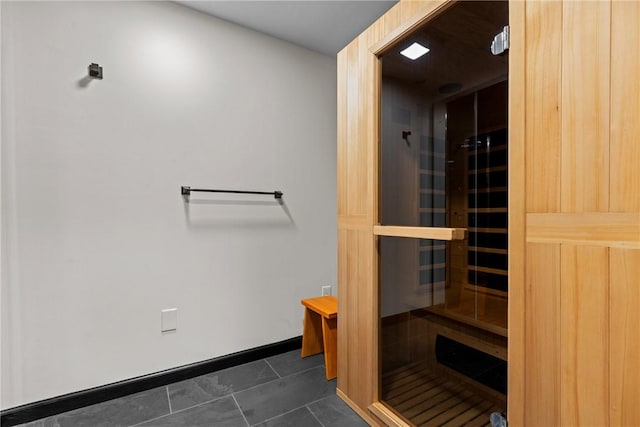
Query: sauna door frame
[(516, 198)]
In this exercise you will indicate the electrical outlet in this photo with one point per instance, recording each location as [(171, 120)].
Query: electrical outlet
[(168, 320), (326, 290)]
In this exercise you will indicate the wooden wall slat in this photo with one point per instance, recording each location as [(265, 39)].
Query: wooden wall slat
[(409, 8), (342, 125), (356, 151), (353, 329), (344, 318), (584, 300), (585, 106), (357, 292), (543, 52), (517, 209), (595, 228), (542, 335), (391, 20), (624, 337), (371, 317), (625, 107), (368, 117)]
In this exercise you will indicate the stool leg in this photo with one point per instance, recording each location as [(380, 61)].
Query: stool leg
[(311, 333), (330, 336)]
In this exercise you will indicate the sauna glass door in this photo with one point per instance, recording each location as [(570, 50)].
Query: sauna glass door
[(443, 220)]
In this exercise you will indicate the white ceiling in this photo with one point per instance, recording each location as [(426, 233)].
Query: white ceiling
[(322, 26)]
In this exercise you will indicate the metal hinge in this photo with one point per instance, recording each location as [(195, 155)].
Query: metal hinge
[(500, 42)]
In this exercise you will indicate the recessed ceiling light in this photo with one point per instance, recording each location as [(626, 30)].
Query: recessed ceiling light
[(415, 51)]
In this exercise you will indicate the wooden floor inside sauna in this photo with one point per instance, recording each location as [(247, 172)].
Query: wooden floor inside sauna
[(426, 400)]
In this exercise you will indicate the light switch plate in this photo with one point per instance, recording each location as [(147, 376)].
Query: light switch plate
[(169, 320)]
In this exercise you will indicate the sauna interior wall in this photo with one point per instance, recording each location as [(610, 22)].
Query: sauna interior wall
[(574, 298)]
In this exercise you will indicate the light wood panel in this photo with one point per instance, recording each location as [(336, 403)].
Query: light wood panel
[(356, 338), (625, 196), (341, 149), (585, 106), (391, 21), (542, 335), (624, 337), (584, 322), (354, 222), (543, 51), (517, 249), (357, 298), (369, 298), (356, 166), (593, 161), (625, 107), (602, 229)]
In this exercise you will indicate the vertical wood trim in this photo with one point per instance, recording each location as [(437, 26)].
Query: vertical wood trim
[(625, 107), (344, 315), (373, 137), (517, 245), (584, 387), (624, 337), (369, 114), (585, 106), (542, 337), (342, 120), (408, 9), (391, 19), (543, 51), (355, 333), (356, 154)]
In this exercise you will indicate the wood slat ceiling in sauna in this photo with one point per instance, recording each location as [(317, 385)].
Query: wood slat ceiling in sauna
[(459, 41)]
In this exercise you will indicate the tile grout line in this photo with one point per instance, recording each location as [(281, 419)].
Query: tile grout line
[(306, 405), (279, 415), (240, 409), (234, 398), (169, 399), (181, 410), (272, 368), (277, 379), (313, 414)]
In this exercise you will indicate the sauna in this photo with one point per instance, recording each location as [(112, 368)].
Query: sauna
[(443, 166), (489, 214)]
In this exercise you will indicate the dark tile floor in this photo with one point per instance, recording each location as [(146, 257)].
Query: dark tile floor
[(280, 391)]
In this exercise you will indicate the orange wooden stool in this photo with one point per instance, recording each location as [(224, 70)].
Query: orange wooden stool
[(320, 331)]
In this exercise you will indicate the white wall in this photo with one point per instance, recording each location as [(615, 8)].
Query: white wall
[(97, 239)]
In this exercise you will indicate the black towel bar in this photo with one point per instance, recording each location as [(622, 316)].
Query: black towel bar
[(186, 191)]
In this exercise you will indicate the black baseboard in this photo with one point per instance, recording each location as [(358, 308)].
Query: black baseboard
[(68, 402)]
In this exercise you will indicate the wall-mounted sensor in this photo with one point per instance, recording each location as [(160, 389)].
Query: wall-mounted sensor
[(95, 71)]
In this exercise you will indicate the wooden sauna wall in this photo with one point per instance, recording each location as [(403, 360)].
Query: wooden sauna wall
[(358, 132), (574, 220), (581, 345), (358, 124)]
